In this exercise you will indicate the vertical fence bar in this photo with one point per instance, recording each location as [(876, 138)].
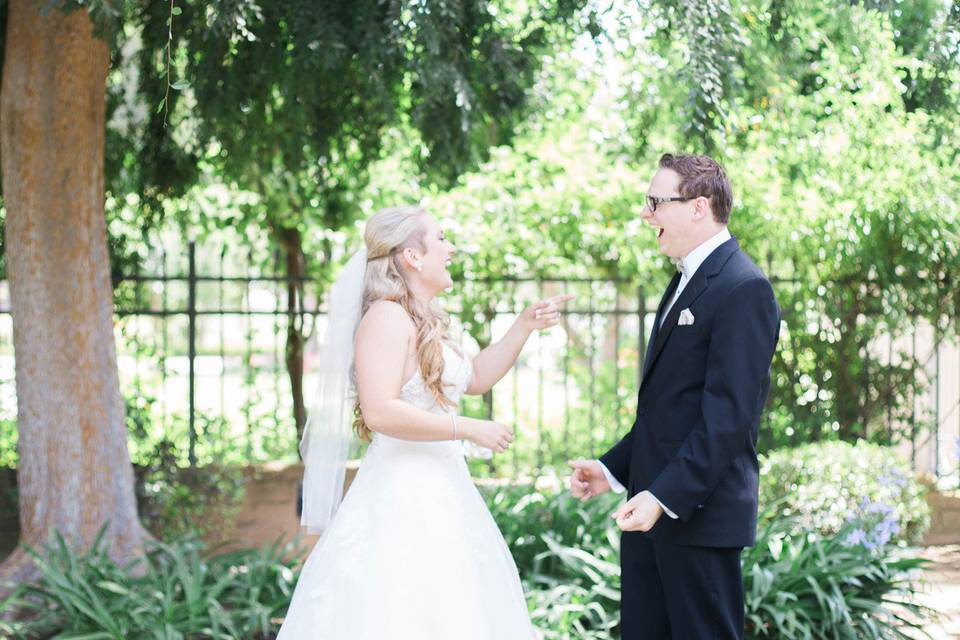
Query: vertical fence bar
[(278, 313), (566, 380), (248, 378), (540, 438), (865, 383), (192, 348), (222, 350), (936, 409), (489, 315), (616, 354), (164, 338), (593, 369), (134, 321), (515, 391), (913, 407), (890, 395)]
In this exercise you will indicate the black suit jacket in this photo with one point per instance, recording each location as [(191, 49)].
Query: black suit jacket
[(693, 443)]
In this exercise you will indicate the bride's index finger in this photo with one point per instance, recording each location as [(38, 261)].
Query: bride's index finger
[(561, 299)]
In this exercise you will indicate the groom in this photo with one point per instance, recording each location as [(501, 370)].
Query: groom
[(689, 462)]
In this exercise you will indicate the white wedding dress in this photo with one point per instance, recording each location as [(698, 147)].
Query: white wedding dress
[(413, 552)]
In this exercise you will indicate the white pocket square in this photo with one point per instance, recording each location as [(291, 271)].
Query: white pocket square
[(685, 318)]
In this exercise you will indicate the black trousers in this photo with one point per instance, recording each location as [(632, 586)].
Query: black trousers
[(676, 592)]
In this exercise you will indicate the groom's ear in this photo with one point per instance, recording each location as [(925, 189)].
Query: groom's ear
[(701, 207)]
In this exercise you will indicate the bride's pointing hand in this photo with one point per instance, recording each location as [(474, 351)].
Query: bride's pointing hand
[(545, 313)]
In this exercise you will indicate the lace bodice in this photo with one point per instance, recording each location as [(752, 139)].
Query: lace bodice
[(457, 373)]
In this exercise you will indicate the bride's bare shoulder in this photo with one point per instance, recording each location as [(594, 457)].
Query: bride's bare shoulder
[(386, 317)]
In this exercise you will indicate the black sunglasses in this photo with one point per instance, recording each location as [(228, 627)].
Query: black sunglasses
[(654, 201)]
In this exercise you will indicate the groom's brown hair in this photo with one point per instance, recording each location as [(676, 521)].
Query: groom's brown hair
[(702, 176)]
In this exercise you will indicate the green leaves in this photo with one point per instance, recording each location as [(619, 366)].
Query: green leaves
[(820, 486), (798, 584), (818, 587), (182, 592), (566, 552)]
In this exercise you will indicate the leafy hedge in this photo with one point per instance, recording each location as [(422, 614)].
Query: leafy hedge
[(176, 590), (819, 572), (822, 486), (830, 559)]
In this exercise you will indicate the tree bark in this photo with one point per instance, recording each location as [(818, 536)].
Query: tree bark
[(292, 244), (74, 472)]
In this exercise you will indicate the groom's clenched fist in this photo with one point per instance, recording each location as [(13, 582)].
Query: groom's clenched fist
[(639, 513), (587, 479)]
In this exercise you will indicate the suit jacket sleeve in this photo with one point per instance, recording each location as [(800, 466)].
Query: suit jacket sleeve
[(741, 348), (617, 460)]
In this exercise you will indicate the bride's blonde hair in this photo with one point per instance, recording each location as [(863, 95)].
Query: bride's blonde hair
[(387, 234)]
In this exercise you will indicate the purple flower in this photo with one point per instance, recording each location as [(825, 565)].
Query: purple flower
[(876, 507), (855, 537), (882, 535), (892, 478)]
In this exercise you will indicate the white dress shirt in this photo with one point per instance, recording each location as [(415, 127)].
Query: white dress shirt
[(687, 266)]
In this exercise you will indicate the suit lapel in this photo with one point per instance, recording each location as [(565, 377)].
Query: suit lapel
[(671, 289), (697, 285)]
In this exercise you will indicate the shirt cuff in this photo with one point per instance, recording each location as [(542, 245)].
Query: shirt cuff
[(615, 485), (672, 515)]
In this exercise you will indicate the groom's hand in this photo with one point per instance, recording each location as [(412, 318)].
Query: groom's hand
[(639, 513), (587, 479)]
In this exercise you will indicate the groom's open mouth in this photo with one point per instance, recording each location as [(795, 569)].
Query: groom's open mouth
[(659, 232)]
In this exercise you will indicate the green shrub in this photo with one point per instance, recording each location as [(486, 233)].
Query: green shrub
[(567, 553), (174, 501), (828, 587), (821, 486), (850, 583), (174, 591)]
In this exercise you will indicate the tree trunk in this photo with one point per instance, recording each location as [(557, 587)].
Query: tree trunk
[(292, 245), (74, 472)]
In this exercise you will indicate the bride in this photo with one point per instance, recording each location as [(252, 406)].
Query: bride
[(411, 553)]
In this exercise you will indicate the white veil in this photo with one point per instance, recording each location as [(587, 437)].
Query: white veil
[(327, 434)]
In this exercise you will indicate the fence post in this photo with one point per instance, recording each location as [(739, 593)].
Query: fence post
[(936, 408), (192, 345), (616, 355)]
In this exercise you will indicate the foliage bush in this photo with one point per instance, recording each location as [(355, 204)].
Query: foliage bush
[(822, 486), (832, 586), (175, 501), (852, 582), (175, 591), (567, 553)]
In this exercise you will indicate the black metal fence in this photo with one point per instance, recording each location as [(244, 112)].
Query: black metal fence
[(202, 363)]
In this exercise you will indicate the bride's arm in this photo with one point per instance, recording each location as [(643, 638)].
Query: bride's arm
[(385, 337), (492, 363)]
